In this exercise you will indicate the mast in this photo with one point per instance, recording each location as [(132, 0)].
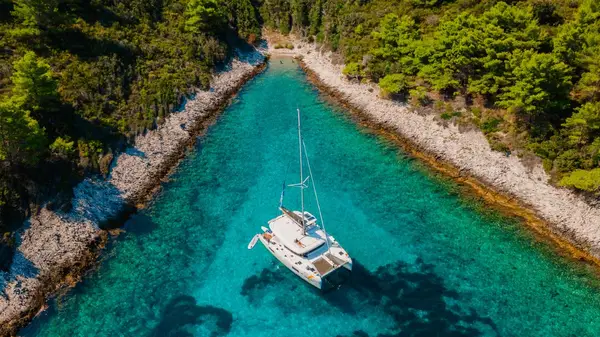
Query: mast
[(301, 175)]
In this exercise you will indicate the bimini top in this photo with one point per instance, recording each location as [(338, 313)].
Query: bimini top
[(290, 234)]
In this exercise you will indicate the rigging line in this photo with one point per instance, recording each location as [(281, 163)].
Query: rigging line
[(301, 173), (289, 164), (316, 196)]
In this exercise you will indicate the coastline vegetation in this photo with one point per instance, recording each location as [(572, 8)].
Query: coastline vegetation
[(528, 71), (80, 79)]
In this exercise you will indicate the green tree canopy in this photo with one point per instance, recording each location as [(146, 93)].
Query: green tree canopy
[(315, 17), (586, 180), (453, 58), (34, 13), (584, 125), (354, 70), (396, 38), (393, 84), (21, 138), (34, 87), (277, 14), (203, 14), (242, 16), (62, 147), (502, 29), (541, 85)]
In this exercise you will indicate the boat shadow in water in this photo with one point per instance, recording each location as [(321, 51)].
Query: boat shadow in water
[(254, 284), (182, 312), (414, 296)]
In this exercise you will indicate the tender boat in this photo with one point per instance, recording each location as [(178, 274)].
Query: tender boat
[(297, 240)]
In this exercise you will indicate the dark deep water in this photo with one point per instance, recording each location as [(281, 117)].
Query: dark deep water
[(427, 263)]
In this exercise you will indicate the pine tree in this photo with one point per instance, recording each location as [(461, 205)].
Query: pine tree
[(21, 138), (34, 87), (203, 14), (541, 85), (35, 13)]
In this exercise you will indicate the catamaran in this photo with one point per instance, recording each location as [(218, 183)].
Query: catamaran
[(297, 240)]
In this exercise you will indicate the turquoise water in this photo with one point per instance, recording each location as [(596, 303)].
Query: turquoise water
[(427, 263)]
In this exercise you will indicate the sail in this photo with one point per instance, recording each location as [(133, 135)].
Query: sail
[(297, 219)]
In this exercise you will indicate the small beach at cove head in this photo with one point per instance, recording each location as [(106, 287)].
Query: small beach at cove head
[(427, 261)]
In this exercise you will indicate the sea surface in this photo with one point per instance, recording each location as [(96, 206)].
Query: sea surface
[(427, 262)]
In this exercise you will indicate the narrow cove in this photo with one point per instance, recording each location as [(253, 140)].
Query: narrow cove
[(427, 263)]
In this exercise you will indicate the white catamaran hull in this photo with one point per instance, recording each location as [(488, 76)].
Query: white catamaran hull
[(323, 270), (277, 251), (300, 243)]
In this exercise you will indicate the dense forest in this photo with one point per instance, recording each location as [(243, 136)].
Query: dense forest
[(528, 71), (79, 79)]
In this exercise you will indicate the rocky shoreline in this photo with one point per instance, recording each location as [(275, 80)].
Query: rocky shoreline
[(563, 216), (55, 248)]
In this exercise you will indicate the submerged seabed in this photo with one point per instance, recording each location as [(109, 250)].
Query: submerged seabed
[(427, 263)]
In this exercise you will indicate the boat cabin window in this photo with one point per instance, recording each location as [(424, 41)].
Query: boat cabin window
[(318, 251)]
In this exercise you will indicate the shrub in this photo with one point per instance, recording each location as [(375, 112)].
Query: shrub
[(568, 161), (353, 70), (393, 84), (490, 125), (62, 147), (499, 146), (449, 115), (583, 180), (419, 96)]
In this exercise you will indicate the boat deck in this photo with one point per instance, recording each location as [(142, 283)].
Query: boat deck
[(334, 259), (323, 266)]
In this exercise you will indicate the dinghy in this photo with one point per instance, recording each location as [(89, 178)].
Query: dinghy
[(253, 241), (300, 243)]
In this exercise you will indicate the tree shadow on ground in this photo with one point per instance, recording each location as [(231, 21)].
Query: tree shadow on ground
[(182, 312), (7, 252), (92, 12), (81, 44), (240, 49)]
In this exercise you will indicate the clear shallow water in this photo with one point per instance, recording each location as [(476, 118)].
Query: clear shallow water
[(426, 262)]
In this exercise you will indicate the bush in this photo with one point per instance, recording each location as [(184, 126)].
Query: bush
[(284, 45), (62, 147), (393, 84), (419, 96), (499, 146), (583, 180), (353, 70), (490, 125), (568, 161), (450, 115)]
